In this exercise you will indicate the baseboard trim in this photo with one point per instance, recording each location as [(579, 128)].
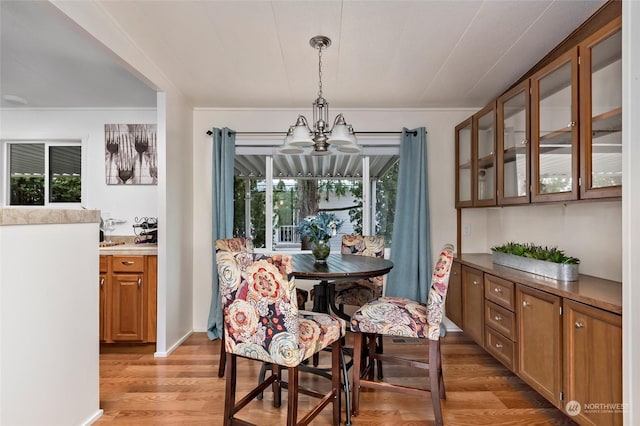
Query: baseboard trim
[(173, 347), (91, 420)]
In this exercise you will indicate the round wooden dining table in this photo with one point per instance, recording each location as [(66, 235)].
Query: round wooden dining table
[(338, 267)]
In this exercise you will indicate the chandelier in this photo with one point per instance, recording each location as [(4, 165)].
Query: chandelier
[(321, 136)]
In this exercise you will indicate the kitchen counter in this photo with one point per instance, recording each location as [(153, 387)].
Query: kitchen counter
[(130, 250)]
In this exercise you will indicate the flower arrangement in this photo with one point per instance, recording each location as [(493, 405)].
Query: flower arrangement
[(320, 227)]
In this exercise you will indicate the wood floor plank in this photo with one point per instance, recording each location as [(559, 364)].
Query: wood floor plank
[(184, 389)]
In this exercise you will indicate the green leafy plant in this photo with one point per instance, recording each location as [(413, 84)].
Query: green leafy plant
[(530, 250)]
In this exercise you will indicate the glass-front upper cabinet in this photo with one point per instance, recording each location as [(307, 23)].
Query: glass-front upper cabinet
[(464, 155), (601, 113), (554, 130), (513, 145), (484, 126)]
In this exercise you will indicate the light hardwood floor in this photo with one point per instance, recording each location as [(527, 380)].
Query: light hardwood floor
[(184, 389)]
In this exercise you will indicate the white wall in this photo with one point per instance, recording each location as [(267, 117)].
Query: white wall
[(630, 210), (49, 339), (440, 152), (590, 231), (175, 203), (123, 201)]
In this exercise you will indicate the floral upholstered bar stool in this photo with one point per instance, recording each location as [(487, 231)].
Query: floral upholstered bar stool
[(394, 316), (230, 245), (262, 323)]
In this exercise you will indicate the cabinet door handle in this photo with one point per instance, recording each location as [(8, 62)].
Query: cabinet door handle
[(454, 272), (476, 282), (498, 318), (497, 290), (101, 282), (499, 345), (571, 124), (579, 324), (139, 281), (524, 141), (127, 262), (525, 304)]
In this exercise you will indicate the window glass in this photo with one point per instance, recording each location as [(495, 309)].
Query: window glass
[(64, 174), (303, 186), (26, 166), (44, 173)]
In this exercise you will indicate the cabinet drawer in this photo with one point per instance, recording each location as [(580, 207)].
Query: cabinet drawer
[(500, 319), (499, 291), (500, 347), (103, 264), (128, 263)]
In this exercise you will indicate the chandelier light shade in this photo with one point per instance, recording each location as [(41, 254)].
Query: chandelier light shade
[(321, 137)]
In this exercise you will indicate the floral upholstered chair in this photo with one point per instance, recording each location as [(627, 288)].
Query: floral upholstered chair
[(357, 293), (393, 316), (231, 245), (262, 322)]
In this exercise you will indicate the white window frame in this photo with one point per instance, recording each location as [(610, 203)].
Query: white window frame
[(5, 169), (268, 148)]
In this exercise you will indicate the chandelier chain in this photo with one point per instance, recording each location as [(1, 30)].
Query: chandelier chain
[(320, 71)]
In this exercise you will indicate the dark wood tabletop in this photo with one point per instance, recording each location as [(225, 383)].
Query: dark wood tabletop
[(339, 266)]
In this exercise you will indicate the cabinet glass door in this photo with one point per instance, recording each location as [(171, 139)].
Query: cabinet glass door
[(484, 123), (513, 145), (464, 155), (601, 119), (554, 130)]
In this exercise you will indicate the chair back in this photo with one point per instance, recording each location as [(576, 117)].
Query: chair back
[(363, 245), (438, 291), (257, 293), (239, 244)]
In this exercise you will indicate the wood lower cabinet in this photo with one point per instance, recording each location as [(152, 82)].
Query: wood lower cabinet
[(453, 303), (539, 341), (473, 306), (562, 338), (593, 363), (128, 299)]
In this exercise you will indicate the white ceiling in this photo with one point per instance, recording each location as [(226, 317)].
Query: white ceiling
[(256, 53)]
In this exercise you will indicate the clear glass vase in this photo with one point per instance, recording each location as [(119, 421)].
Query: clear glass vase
[(321, 250)]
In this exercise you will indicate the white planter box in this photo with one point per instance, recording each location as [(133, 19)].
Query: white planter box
[(558, 271)]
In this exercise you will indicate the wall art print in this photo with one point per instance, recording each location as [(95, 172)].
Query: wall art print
[(130, 154)]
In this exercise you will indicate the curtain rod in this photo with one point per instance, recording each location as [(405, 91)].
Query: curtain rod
[(415, 133)]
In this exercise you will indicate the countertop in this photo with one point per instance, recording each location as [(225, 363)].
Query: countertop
[(46, 216), (130, 250), (594, 291)]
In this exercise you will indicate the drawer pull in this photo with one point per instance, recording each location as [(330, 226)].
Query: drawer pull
[(127, 262), (476, 282), (498, 345), (139, 282), (579, 324), (525, 304), (497, 290), (498, 318)]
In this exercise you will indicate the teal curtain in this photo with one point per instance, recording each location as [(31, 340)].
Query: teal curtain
[(411, 244), (224, 151)]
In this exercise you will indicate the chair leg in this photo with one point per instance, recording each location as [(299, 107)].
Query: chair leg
[(230, 391), (371, 363), (347, 389), (223, 357), (276, 387), (261, 377), (357, 358), (336, 358), (379, 350), (434, 378), (292, 397)]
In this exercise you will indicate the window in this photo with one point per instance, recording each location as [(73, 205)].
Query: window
[(44, 173), (359, 189)]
